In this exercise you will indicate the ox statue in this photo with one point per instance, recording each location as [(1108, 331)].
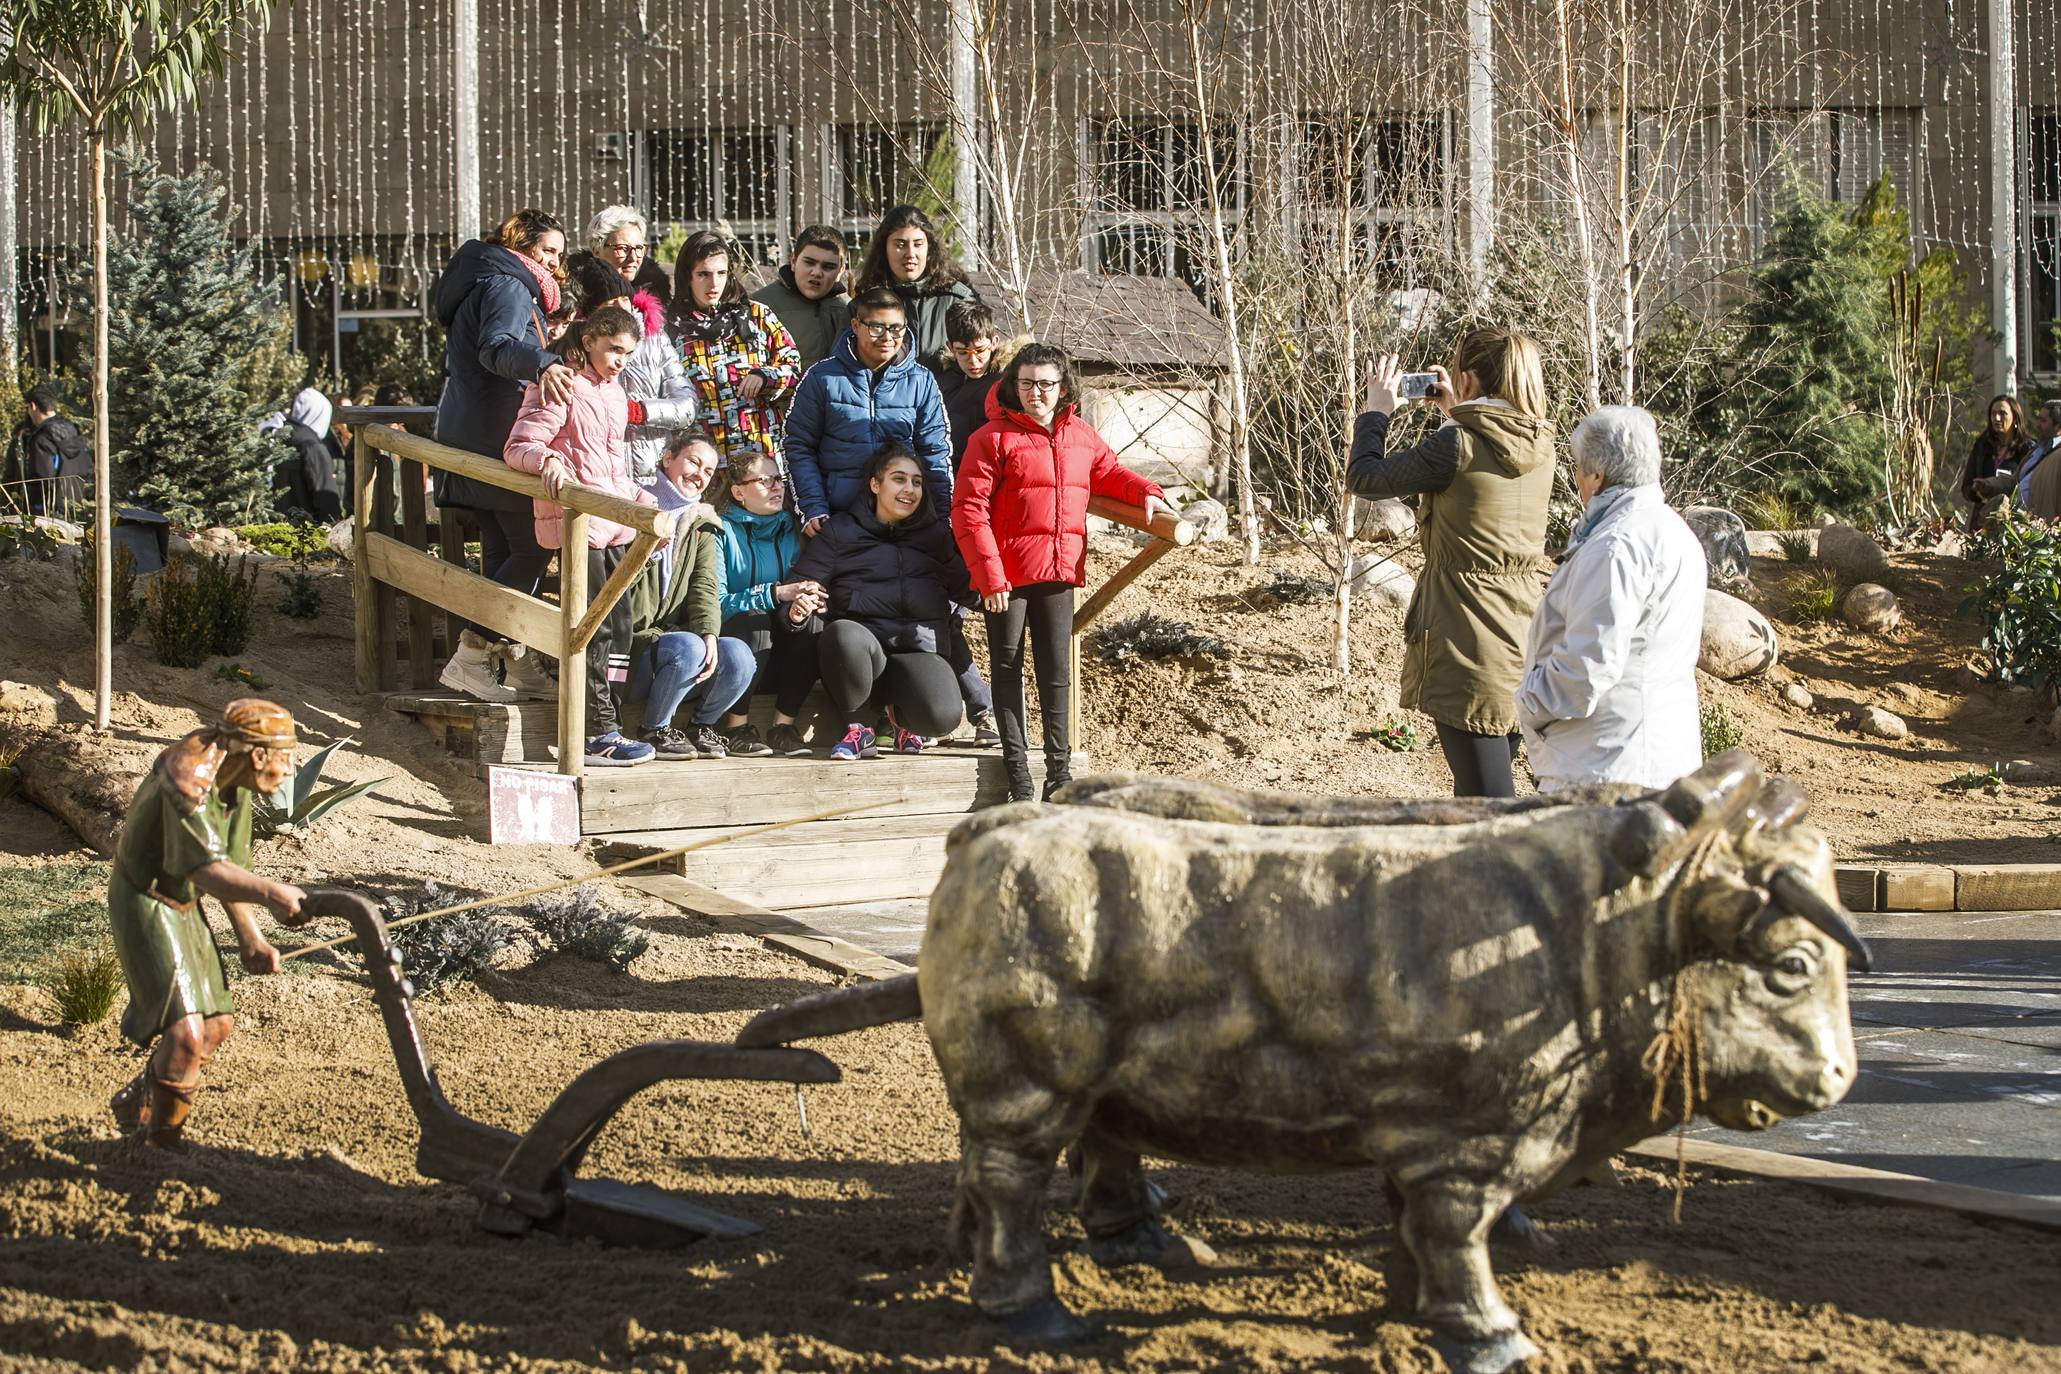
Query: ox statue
[(1483, 999)]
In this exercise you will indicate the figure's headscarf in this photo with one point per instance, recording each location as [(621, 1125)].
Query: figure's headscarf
[(246, 723)]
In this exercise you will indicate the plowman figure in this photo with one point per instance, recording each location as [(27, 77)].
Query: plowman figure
[(188, 832)]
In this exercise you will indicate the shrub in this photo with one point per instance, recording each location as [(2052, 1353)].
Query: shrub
[(1288, 588), (1155, 636), (1815, 598), (239, 676), (200, 607), (25, 539), (1770, 510), (2020, 604), (1796, 546), (84, 982), (581, 924), (1989, 780), (297, 804), (284, 540), (1398, 735), (1720, 730), (451, 949), (303, 599), (122, 589)]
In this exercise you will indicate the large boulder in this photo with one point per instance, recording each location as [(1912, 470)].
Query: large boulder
[(1382, 580), (1737, 640), (1384, 521), (1211, 520), (1872, 608), (340, 537), (1723, 536), (1853, 556)]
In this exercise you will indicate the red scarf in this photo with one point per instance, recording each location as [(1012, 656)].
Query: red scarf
[(546, 283)]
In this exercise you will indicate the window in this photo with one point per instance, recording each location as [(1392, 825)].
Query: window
[(868, 169), (1391, 178), (739, 175), (2042, 269), (1146, 182)]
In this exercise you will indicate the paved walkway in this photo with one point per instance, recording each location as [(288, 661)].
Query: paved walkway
[(1959, 1032)]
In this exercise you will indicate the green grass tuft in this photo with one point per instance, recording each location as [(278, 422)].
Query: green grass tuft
[(1815, 598), (46, 909), (84, 981), (1720, 730), (1796, 546)]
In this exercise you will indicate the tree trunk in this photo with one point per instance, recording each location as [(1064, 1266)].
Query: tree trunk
[(69, 775), (1627, 276), (1342, 594), (103, 487), (1577, 187)]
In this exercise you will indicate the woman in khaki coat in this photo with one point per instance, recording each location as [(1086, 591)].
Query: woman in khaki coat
[(1481, 482)]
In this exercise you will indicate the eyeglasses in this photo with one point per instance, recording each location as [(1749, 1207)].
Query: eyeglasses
[(882, 331), (776, 480), (1029, 384), (632, 250)]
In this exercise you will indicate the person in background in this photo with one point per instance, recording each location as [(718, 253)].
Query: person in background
[(809, 295), (304, 481), (676, 655), (1482, 480), (739, 357), (654, 375), (761, 542), (1609, 686), (970, 337), (909, 258), (492, 300), (2002, 446), (580, 440), (2046, 423), (620, 235), (1020, 516), (55, 463), (891, 575)]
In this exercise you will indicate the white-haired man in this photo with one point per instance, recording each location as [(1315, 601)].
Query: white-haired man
[(621, 235), (1609, 686)]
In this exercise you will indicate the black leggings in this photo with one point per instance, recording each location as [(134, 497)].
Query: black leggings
[(510, 555), (862, 678), (1046, 609), (1480, 763), (786, 655), (608, 653)]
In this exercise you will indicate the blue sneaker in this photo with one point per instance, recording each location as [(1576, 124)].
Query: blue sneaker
[(858, 743), (613, 751)]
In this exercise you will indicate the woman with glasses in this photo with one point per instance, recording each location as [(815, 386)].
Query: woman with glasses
[(740, 358), (871, 391), (620, 235), (760, 544), (1021, 520)]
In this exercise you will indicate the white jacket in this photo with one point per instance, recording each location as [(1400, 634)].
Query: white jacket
[(1609, 686)]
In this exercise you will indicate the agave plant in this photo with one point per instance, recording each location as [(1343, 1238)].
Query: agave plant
[(297, 804)]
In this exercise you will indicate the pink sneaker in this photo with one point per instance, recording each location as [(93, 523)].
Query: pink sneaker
[(908, 741)]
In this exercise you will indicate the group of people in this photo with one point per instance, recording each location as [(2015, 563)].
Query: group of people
[(855, 471), (2008, 462), (1592, 670)]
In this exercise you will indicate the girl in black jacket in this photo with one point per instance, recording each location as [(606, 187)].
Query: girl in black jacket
[(892, 572)]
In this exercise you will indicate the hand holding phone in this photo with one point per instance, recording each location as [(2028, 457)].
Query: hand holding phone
[(1415, 386)]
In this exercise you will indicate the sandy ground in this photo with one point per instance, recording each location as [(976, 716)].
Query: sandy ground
[(296, 1233)]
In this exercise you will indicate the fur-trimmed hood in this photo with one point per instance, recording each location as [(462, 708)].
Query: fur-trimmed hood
[(651, 311)]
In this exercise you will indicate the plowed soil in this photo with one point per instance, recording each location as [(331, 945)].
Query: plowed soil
[(295, 1233)]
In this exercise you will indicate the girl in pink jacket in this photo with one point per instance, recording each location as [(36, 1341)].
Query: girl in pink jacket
[(581, 440)]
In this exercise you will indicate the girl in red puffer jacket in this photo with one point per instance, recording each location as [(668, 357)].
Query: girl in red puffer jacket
[(1020, 515)]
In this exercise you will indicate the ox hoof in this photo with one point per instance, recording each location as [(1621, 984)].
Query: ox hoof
[(1148, 1242), (1518, 1234), (1046, 1322), (1494, 1355)]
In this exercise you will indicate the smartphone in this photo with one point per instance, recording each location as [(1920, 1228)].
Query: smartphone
[(1417, 385)]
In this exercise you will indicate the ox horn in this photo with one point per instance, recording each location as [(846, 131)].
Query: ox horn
[(1778, 805), (1798, 895), (1655, 835)]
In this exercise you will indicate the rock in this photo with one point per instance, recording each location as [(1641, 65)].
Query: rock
[(22, 700), (1210, 519), (1723, 536), (1768, 543), (1382, 580), (64, 531), (1797, 695), (2026, 773), (177, 544), (1852, 555), (1878, 723), (1952, 544), (1737, 640), (340, 538), (1384, 521), (1873, 608)]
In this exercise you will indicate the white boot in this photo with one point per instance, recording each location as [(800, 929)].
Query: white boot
[(471, 671), (522, 672)]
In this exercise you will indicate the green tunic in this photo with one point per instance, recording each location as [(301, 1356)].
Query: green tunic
[(168, 953)]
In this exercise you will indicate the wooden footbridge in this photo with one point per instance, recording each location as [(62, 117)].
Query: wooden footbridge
[(414, 591)]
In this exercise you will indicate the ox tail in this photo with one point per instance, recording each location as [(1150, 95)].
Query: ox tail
[(834, 1013)]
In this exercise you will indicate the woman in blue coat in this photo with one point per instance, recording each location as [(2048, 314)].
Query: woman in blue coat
[(492, 300), (870, 392)]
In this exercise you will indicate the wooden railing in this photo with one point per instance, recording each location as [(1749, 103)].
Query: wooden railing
[(386, 564), (391, 560)]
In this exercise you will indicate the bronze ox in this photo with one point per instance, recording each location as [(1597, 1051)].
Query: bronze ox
[(1460, 994)]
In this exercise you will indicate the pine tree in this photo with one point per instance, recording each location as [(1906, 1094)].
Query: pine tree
[(198, 355)]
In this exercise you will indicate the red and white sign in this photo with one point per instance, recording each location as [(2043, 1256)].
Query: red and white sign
[(528, 806)]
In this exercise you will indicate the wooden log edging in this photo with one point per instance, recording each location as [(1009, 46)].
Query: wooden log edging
[(1890, 886)]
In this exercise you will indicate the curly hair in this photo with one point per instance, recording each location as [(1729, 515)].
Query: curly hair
[(939, 271)]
